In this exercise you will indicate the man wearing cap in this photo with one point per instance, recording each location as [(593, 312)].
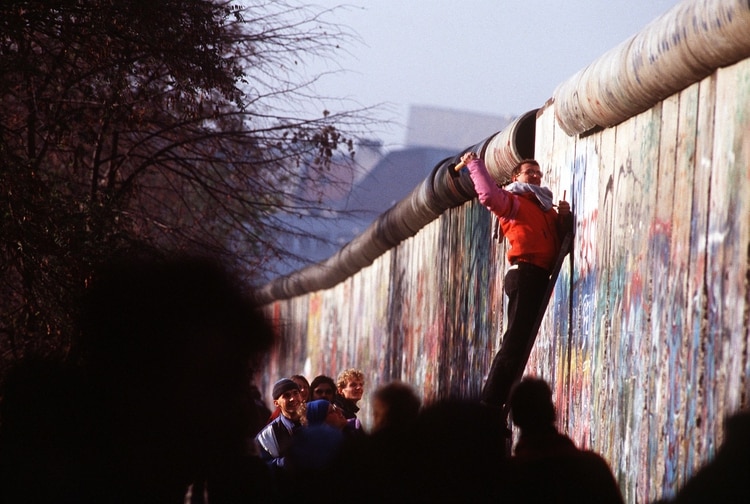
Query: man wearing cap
[(274, 439)]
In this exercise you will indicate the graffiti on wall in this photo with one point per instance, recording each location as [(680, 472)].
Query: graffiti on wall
[(646, 339)]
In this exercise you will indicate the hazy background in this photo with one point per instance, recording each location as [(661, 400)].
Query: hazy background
[(496, 57)]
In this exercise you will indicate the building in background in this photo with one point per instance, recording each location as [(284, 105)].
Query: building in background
[(352, 196), (450, 129)]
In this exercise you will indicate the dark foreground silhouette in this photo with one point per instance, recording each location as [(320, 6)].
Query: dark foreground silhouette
[(154, 397), (547, 466), (726, 478)]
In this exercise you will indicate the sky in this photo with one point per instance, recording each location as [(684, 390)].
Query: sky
[(497, 57)]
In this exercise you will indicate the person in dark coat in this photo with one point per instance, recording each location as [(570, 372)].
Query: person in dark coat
[(350, 387), (546, 465), (275, 439)]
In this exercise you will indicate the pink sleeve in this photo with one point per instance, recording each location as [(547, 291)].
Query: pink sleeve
[(498, 200)]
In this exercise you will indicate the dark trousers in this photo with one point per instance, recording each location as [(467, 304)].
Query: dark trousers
[(525, 286)]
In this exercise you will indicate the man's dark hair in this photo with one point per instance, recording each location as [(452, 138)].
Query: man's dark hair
[(531, 404), (403, 403), (322, 379), (517, 168)]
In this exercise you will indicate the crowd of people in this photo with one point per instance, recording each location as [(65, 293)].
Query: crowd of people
[(450, 451), (455, 451)]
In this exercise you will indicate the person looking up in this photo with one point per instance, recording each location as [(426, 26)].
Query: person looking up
[(350, 386), (322, 412), (304, 386), (534, 230), (322, 387), (304, 392), (314, 450), (274, 439), (335, 418)]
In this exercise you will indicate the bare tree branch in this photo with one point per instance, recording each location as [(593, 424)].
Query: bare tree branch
[(135, 127)]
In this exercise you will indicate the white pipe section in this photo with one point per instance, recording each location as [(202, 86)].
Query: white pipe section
[(677, 49)]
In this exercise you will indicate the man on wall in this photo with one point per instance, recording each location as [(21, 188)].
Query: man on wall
[(534, 230)]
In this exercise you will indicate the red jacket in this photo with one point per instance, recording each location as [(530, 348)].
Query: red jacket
[(533, 234)]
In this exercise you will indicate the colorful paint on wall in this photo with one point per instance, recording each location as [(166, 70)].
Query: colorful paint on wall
[(645, 341)]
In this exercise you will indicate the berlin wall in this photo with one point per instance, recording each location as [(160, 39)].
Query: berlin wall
[(645, 341)]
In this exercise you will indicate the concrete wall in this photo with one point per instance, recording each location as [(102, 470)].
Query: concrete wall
[(646, 339), (649, 351)]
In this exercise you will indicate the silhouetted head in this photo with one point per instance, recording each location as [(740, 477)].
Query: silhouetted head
[(155, 396), (171, 346), (146, 317), (531, 404), (446, 436), (394, 405)]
